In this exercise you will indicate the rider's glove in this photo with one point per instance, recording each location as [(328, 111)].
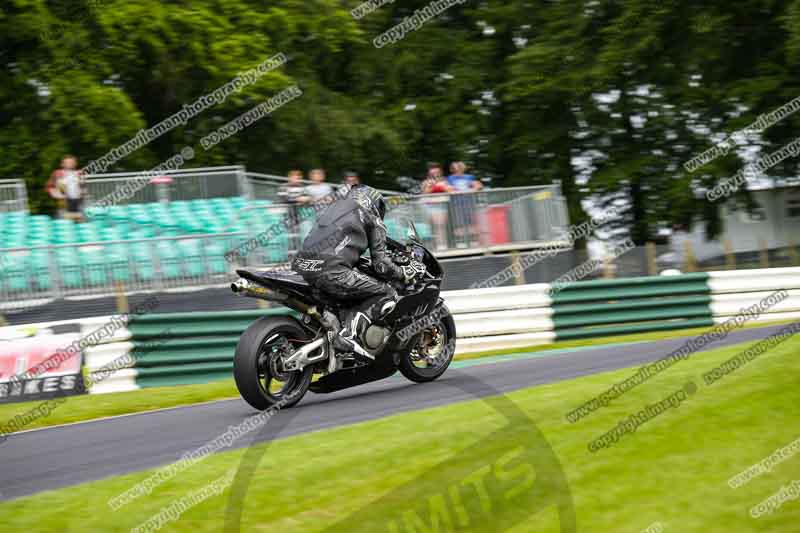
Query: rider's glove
[(409, 273), (419, 267), (413, 270)]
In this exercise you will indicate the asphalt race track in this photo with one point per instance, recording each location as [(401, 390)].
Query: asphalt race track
[(51, 458)]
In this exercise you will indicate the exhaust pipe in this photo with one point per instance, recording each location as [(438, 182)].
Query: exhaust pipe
[(240, 285), (246, 288)]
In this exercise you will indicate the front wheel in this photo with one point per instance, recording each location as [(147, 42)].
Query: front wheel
[(431, 351), (258, 363)]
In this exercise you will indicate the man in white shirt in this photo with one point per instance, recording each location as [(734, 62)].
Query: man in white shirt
[(72, 187)]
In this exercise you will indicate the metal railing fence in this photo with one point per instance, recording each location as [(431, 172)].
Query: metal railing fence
[(449, 223), (97, 268), (13, 196), (457, 224), (189, 184)]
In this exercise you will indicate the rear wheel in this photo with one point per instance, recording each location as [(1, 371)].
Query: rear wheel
[(430, 352), (258, 363)]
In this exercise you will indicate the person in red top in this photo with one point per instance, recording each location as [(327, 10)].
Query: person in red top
[(66, 187), (437, 207)]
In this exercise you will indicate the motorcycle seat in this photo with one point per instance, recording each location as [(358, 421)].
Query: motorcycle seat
[(286, 278)]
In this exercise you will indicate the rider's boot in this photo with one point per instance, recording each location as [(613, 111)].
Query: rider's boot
[(356, 323), (332, 326), (343, 339), (347, 341)]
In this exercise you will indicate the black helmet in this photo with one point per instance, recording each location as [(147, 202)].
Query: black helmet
[(368, 198)]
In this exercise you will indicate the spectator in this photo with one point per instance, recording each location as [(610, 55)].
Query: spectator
[(351, 178), (293, 194), (66, 186), (319, 194), (318, 190), (463, 204), (437, 206)]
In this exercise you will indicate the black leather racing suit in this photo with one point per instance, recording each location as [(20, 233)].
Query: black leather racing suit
[(327, 259)]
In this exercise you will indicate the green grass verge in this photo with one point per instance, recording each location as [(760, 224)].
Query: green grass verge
[(470, 463), (616, 339), (89, 407), (83, 408)]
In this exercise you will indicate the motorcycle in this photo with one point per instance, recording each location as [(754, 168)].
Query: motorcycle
[(280, 358)]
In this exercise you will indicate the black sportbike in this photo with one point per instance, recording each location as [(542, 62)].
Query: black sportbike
[(280, 358)]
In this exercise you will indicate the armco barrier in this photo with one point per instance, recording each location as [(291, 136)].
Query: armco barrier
[(506, 317), (633, 305), (169, 349), (737, 289), (188, 347)]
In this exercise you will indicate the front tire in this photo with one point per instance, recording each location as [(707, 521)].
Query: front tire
[(431, 351), (257, 364)]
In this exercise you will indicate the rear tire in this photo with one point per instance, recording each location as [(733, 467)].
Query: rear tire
[(418, 374), (260, 344)]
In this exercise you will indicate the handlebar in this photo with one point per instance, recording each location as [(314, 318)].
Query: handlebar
[(365, 265)]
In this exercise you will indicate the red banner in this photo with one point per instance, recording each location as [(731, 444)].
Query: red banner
[(39, 367)]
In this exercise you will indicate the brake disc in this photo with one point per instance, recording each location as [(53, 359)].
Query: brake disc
[(275, 361)]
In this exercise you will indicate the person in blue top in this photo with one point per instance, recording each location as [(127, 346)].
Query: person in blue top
[(463, 204)]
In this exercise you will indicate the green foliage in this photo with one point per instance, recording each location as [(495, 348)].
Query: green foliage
[(513, 88)]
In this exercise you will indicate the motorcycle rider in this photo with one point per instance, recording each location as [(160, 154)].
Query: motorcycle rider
[(330, 252)]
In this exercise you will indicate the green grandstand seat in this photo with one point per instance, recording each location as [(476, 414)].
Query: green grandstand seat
[(63, 225), (140, 218), (118, 258), (65, 238), (68, 264), (191, 253), (124, 228), (104, 264), (94, 262), (118, 213), (166, 224), (140, 254), (191, 226), (40, 268), (424, 230), (170, 259), (39, 220), (276, 251), (112, 233), (215, 258), (14, 240), (156, 208), (88, 232), (16, 272), (141, 233)]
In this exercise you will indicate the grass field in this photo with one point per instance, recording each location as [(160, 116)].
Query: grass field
[(82, 408), (493, 465)]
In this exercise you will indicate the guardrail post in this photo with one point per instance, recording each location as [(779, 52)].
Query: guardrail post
[(691, 265), (608, 271), (122, 298), (519, 274), (764, 252), (730, 257), (652, 265)]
